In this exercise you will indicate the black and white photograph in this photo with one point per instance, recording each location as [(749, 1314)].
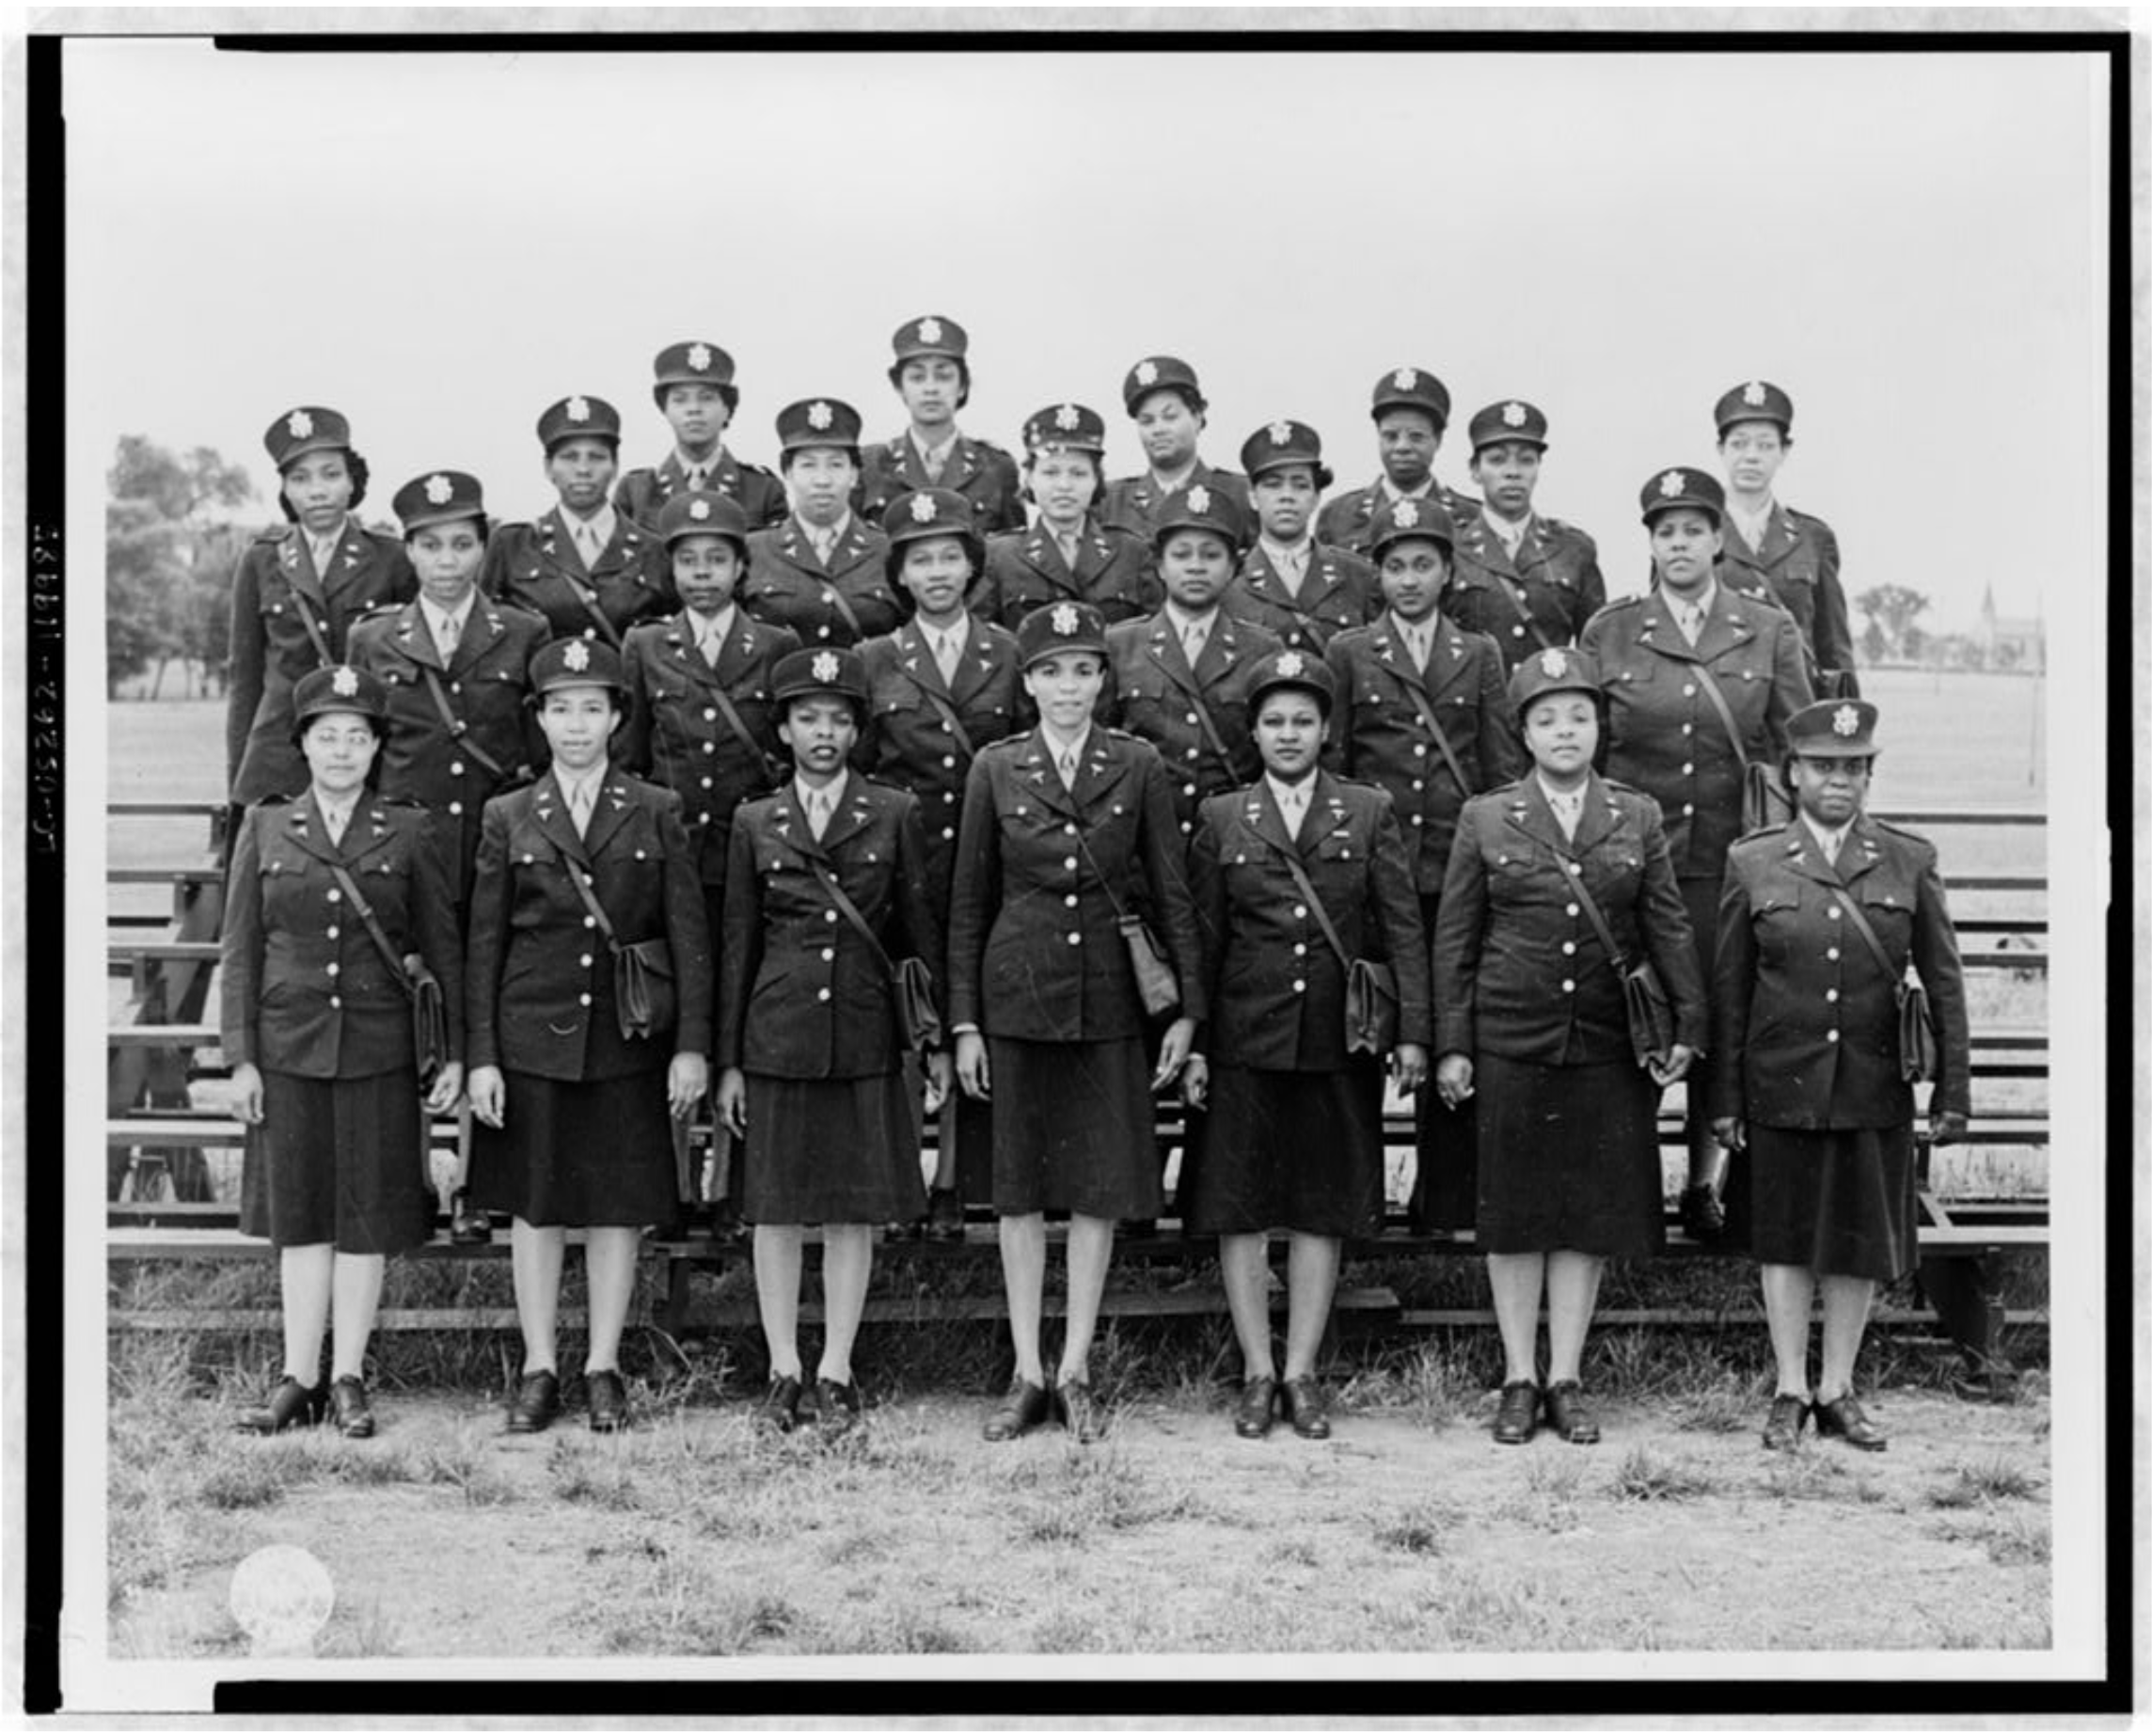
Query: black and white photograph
[(1190, 863)]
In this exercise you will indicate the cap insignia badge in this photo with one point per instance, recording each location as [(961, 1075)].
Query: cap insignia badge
[(1290, 664), (579, 408), (930, 330), (1673, 484), (1281, 434), (1512, 415), (1063, 620), (824, 668), (1406, 515), (1146, 374), (921, 509), (345, 681), (1554, 663), (300, 423), (575, 654), (698, 509), (1199, 498), (1406, 379), (1754, 393), (1067, 419), (1845, 720), (818, 415), (699, 356)]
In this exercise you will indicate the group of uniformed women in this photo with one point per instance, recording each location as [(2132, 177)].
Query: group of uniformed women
[(844, 798)]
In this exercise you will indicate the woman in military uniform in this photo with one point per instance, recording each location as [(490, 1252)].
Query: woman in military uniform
[(1698, 686), (1411, 409), (591, 571), (939, 688), (1166, 404), (456, 667), (296, 595), (331, 897), (1066, 829), (1302, 589), (826, 890), (570, 1084), (1819, 921), (1531, 1021), (1772, 552), (1067, 556), (696, 395), (1424, 714), (932, 373), (701, 722), (1527, 581), (822, 572), (1292, 1133)]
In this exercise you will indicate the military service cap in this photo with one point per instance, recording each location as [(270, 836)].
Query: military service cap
[(579, 417), (703, 511), (1757, 401), (1055, 628), (438, 498), (818, 421), (1291, 668), (1162, 373), (1283, 443), (1511, 419), (1412, 388), (1832, 730), (308, 429), (1669, 489), (694, 363)]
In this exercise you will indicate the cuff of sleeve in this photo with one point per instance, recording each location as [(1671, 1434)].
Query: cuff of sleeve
[(966, 1029), (1453, 1036)]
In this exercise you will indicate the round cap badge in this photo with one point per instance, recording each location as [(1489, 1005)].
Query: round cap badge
[(923, 509), (439, 490), (1146, 372), (300, 423), (1554, 663), (579, 408), (1290, 664), (818, 415), (824, 668), (1845, 720), (575, 654), (1673, 483), (930, 330), (1199, 498), (345, 681), (1065, 418), (699, 357), (1064, 618), (1754, 393), (1512, 415), (698, 509), (1406, 515), (1406, 379), (1281, 434)]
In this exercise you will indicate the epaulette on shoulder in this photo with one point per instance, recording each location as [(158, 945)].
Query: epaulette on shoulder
[(1772, 830), (750, 469), (275, 533), (1617, 786), (273, 801), (1120, 735), (1905, 832), (1007, 744)]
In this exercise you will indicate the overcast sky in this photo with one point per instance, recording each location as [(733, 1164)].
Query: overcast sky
[(439, 245)]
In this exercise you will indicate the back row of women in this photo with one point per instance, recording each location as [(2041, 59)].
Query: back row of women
[(658, 800)]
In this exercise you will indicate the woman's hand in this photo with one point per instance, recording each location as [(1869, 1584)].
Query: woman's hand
[(1408, 1067), (448, 1087), (1674, 1066), (686, 1080), (246, 1093), (731, 1100), (1729, 1133), (1196, 1081), (488, 1095), (938, 1077), (1453, 1078), (1946, 1126), (1173, 1053), (972, 1065)]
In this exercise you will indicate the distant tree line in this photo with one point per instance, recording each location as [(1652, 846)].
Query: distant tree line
[(170, 551), (1894, 635)]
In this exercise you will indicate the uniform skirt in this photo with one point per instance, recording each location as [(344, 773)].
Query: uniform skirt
[(339, 1160), (579, 1152), (1840, 1201), (1569, 1158), (831, 1151), (1074, 1128), (1285, 1150)]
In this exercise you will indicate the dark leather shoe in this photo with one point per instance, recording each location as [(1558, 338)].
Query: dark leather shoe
[(1569, 1414), (726, 1229), (1702, 1217), (1843, 1417), (1783, 1428), (347, 1402), (1517, 1415), (780, 1408), (1081, 1414), (537, 1403), (1308, 1407), (467, 1228), (289, 1405), (1025, 1407), (944, 1215), (608, 1401), (836, 1405), (1252, 1415)]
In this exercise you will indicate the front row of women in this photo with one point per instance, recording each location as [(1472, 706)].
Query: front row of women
[(1080, 930)]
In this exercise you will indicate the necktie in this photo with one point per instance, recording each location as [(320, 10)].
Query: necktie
[(587, 541), (1192, 636), (932, 463), (1415, 642), (825, 541), (712, 639), (818, 812), (695, 476), (325, 557), (580, 808), (1292, 805), (945, 656), (1070, 548), (446, 634), (1568, 809), (1067, 765), (335, 819)]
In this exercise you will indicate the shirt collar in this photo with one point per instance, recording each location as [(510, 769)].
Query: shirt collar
[(1056, 747), (720, 623), (452, 618), (589, 783), (1509, 530), (1832, 841), (834, 789), (1559, 800), (1286, 554), (710, 466), (835, 532), (936, 454), (1182, 619), (1393, 493), (1701, 601), (961, 631), (322, 546), (1279, 789), (601, 523)]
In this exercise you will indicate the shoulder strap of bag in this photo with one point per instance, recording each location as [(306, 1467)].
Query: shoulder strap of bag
[(948, 715), (1315, 904), (1615, 956), (313, 627), (1523, 610), (1193, 690), (1718, 698), (735, 722), (1419, 691), (455, 725), (1098, 873), (1860, 925), (389, 953), (588, 596), (843, 608), (583, 886), (850, 912)]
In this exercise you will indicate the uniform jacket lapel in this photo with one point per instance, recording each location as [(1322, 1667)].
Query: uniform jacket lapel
[(1259, 808), (298, 566), (307, 832), (606, 812), (1727, 627), (557, 544), (850, 816), (1600, 817), (853, 549), (1800, 854), (916, 658), (414, 633), (1447, 660), (367, 831), (1860, 851)]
